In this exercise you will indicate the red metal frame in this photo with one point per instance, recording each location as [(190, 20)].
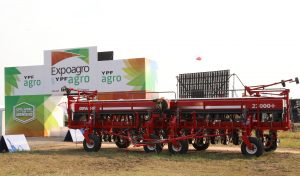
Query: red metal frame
[(145, 122)]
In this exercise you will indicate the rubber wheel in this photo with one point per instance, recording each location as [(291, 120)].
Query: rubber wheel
[(213, 140), (225, 140), (257, 147), (153, 147), (122, 143), (181, 148), (94, 145), (270, 144), (235, 138), (199, 144)]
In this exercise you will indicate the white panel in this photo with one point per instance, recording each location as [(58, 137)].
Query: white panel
[(16, 143), (76, 135), (2, 122), (109, 76), (32, 80)]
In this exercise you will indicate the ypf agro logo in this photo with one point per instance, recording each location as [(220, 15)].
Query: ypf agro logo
[(24, 113)]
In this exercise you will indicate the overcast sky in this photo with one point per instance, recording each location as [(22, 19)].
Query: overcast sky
[(259, 40)]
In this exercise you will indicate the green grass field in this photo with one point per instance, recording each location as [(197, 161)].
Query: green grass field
[(72, 160), (289, 139), (118, 162)]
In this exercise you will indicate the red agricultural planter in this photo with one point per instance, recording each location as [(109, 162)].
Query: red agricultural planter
[(252, 121)]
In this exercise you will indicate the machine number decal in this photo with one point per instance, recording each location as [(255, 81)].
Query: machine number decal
[(263, 106)]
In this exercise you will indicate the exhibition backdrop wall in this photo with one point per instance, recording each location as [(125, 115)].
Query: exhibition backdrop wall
[(34, 101), (2, 126)]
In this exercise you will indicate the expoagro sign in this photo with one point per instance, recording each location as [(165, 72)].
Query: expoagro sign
[(71, 68), (80, 69), (34, 101)]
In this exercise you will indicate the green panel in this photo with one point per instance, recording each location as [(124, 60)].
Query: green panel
[(135, 73), (33, 127), (11, 79), (51, 106)]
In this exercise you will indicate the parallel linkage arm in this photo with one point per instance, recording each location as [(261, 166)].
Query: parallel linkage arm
[(257, 91)]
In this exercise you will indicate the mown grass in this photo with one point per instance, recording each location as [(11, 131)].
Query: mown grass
[(289, 134), (73, 160), (289, 143), (113, 161), (289, 139)]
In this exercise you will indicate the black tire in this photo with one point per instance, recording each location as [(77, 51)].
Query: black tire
[(95, 144), (213, 140), (258, 147), (153, 147), (225, 140), (106, 138), (182, 147), (235, 138), (109, 138), (223, 137), (199, 144), (270, 144), (122, 143)]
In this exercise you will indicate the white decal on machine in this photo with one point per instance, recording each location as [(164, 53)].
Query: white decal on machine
[(84, 108), (263, 106)]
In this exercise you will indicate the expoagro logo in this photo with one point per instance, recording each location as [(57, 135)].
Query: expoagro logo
[(58, 56), (73, 75)]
